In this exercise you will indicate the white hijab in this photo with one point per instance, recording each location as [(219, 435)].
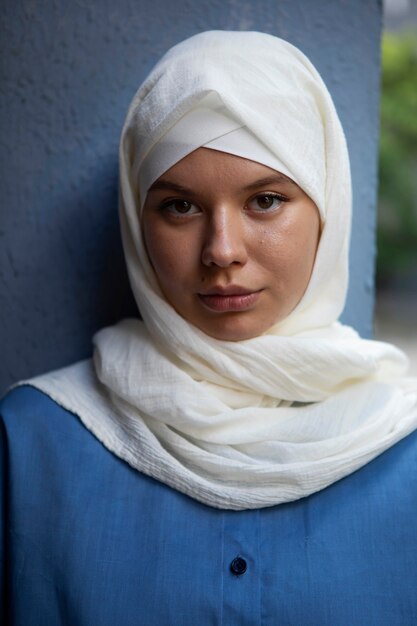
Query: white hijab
[(240, 425)]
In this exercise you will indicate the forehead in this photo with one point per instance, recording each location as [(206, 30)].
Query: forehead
[(205, 165)]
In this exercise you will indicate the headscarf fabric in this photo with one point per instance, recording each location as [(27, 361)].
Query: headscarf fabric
[(259, 422)]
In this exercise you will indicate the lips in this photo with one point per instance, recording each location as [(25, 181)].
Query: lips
[(230, 298)]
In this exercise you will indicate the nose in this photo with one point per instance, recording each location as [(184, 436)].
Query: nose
[(224, 242)]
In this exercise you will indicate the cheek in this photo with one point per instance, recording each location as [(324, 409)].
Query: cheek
[(170, 253), (289, 251), (163, 258)]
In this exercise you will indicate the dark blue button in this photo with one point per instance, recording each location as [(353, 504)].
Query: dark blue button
[(238, 566)]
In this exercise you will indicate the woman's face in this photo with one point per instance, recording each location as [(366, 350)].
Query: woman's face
[(232, 242)]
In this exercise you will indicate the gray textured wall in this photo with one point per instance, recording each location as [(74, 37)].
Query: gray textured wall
[(68, 71)]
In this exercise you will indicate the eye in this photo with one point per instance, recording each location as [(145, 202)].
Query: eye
[(266, 202), (179, 207)]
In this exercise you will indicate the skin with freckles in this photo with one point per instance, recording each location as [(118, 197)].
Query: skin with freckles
[(232, 242)]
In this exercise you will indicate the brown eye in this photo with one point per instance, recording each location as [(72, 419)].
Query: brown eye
[(265, 202), (179, 207)]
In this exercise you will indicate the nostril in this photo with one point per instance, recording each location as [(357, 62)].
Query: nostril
[(224, 249)]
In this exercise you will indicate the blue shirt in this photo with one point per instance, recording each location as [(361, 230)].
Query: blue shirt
[(89, 541)]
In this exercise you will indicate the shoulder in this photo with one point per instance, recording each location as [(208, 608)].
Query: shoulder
[(25, 400), (41, 405), (26, 409), (39, 434)]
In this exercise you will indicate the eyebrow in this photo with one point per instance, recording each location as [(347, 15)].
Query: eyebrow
[(167, 184), (162, 184), (270, 180)]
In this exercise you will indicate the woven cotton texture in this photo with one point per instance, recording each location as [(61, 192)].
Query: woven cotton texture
[(241, 425)]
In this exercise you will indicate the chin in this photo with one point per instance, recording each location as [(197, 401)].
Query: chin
[(231, 328)]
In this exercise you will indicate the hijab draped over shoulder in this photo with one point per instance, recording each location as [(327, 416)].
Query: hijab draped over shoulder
[(253, 423)]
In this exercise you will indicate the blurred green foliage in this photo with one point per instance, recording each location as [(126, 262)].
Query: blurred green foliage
[(397, 217)]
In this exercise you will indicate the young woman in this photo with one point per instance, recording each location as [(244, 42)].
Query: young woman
[(239, 456)]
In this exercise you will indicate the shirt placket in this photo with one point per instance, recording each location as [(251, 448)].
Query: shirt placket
[(241, 569)]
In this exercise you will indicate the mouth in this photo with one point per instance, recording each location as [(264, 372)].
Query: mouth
[(229, 299)]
